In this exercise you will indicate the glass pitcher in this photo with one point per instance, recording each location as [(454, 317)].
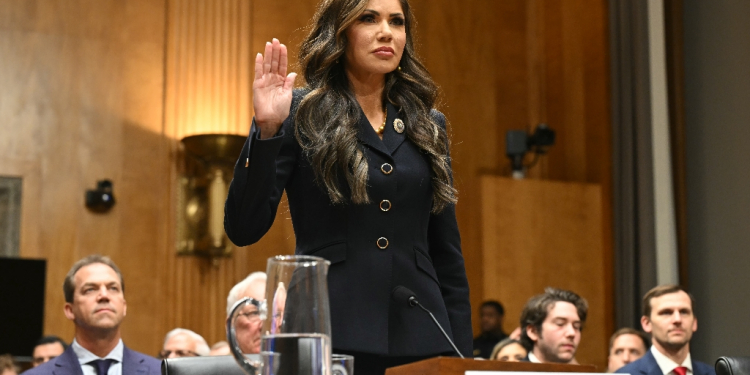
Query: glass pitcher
[(295, 319)]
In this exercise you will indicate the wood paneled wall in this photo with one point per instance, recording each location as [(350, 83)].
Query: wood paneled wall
[(83, 88), (81, 98), (547, 234), (512, 64)]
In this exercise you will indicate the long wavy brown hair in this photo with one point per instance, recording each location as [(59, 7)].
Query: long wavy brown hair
[(327, 117)]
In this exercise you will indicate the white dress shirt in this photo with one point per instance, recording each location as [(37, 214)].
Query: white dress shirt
[(667, 365), (85, 356), (533, 358)]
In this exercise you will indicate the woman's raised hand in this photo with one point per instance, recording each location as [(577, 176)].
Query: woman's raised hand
[(272, 89)]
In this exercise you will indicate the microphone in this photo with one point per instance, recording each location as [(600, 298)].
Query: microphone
[(403, 294)]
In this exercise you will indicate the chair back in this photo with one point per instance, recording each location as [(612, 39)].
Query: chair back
[(733, 366), (207, 365)]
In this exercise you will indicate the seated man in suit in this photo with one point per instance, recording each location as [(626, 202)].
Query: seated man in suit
[(181, 342), (248, 323), (46, 349), (668, 317), (551, 325), (95, 302), (626, 345)]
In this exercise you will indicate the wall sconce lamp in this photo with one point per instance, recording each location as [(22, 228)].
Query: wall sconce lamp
[(209, 163)]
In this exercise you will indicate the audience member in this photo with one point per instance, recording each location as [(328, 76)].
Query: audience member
[(625, 346), (551, 325), (181, 342), (509, 350), (95, 302), (248, 323), (8, 366), (491, 317), (668, 316), (220, 348), (47, 348)]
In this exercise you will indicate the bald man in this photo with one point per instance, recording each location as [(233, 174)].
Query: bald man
[(248, 323)]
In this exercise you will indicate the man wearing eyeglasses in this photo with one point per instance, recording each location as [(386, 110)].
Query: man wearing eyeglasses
[(95, 303), (181, 342), (248, 323)]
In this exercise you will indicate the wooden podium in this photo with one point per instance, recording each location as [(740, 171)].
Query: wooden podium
[(458, 366)]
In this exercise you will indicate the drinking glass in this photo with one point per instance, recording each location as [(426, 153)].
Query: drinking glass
[(342, 364)]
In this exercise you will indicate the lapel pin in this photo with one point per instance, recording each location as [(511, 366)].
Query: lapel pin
[(398, 125)]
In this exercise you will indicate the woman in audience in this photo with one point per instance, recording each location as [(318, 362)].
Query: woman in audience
[(509, 350)]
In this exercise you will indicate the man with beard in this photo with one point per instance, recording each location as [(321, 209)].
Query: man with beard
[(551, 325), (95, 302), (668, 317)]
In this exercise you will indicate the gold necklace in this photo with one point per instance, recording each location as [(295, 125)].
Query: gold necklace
[(381, 129)]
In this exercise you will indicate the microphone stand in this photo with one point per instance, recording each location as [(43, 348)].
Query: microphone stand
[(413, 301)]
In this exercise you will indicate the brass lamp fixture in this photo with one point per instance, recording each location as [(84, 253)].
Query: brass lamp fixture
[(209, 163)]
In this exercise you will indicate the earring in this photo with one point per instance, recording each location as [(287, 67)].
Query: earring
[(399, 68)]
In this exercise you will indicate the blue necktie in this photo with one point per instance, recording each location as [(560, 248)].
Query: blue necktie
[(101, 365)]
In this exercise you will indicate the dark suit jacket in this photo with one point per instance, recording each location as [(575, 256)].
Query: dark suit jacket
[(133, 363), (423, 253), (647, 365)]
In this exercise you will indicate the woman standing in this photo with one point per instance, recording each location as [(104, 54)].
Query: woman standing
[(363, 157)]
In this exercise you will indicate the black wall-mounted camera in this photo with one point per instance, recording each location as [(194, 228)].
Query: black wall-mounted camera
[(101, 199), (518, 143)]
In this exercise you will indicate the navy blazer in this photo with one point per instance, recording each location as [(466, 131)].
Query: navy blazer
[(647, 365), (423, 250), (133, 363)]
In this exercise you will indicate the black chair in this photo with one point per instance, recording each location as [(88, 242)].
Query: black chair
[(733, 366), (209, 365)]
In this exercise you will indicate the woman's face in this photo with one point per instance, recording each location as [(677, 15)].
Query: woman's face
[(511, 353), (376, 39)]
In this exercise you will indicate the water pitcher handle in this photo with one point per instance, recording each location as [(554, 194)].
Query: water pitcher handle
[(250, 367)]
